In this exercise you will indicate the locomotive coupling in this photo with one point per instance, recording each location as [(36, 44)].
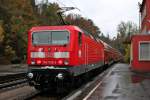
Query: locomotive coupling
[(60, 76), (30, 75)]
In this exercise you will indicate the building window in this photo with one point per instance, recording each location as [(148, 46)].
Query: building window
[(148, 32), (144, 51)]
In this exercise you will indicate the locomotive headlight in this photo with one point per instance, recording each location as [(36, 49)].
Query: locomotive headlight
[(32, 62), (61, 55), (37, 55), (30, 75), (66, 62), (60, 76)]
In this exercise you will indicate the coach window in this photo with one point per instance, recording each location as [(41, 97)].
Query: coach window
[(80, 38), (144, 51)]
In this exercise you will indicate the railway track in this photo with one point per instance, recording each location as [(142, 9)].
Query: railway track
[(12, 77), (16, 88), (20, 90), (11, 81)]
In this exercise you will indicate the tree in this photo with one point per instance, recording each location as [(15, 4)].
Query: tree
[(125, 30), (84, 23), (1, 38), (106, 39), (18, 16), (48, 14)]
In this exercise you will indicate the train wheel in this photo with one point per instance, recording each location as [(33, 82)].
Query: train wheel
[(60, 87), (77, 82), (44, 87), (39, 88)]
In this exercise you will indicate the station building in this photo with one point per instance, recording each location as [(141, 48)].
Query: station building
[(145, 17), (140, 43)]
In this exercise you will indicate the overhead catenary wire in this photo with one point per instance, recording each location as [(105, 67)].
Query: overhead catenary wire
[(61, 3), (81, 11), (73, 3)]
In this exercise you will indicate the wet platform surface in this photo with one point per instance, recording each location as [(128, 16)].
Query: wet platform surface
[(123, 84)]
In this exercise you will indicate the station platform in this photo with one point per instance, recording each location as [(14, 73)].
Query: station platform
[(121, 83)]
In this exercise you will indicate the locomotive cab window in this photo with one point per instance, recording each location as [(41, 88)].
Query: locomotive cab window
[(144, 51), (50, 38), (60, 37), (80, 38)]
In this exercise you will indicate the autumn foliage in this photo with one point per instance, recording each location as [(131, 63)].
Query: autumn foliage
[(18, 16)]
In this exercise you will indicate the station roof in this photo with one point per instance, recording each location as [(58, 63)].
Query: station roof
[(129, 39)]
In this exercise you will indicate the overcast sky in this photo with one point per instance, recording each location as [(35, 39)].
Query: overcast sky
[(106, 14)]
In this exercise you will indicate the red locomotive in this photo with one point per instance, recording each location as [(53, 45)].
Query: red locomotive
[(60, 54)]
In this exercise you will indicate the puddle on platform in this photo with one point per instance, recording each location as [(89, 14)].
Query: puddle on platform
[(139, 77)]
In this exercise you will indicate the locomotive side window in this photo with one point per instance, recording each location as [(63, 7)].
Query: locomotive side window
[(144, 51), (80, 38), (50, 37)]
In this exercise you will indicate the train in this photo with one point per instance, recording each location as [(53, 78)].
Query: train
[(60, 55)]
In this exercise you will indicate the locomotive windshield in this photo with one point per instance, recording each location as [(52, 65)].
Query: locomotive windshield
[(50, 38)]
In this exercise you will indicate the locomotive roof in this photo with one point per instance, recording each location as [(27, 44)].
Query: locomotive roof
[(65, 27), (69, 27)]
